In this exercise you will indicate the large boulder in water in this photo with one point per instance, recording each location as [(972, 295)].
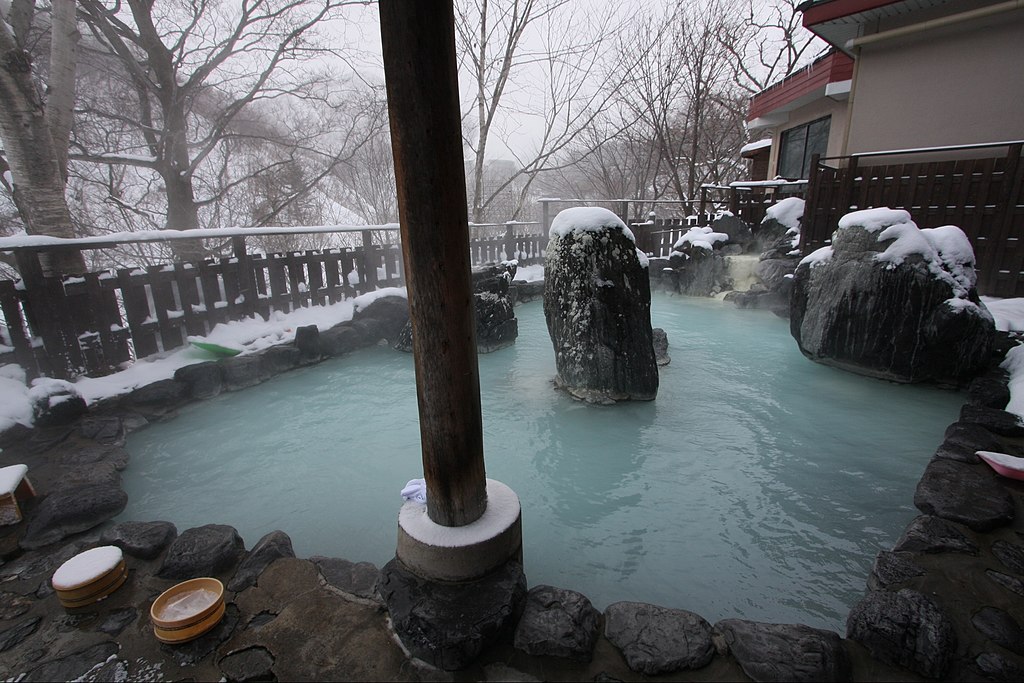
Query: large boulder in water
[(597, 303), (889, 300)]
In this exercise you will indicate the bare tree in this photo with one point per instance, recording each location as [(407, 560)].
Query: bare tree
[(767, 42), (529, 60), (35, 130), (199, 76)]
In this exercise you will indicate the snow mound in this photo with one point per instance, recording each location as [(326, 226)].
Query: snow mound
[(788, 212), (703, 238), (582, 219), (874, 220)]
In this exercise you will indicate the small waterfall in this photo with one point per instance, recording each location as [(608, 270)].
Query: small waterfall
[(740, 269)]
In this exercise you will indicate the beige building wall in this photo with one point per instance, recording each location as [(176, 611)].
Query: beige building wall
[(805, 114), (952, 86)]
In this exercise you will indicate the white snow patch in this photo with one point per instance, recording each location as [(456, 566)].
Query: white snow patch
[(501, 513), (1014, 364), (530, 273), (818, 257), (1008, 313), (703, 238), (10, 478), (754, 146), (86, 567), (642, 257), (15, 406), (582, 219), (874, 220), (787, 212)]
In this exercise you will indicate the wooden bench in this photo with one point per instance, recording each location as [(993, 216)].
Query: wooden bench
[(14, 489)]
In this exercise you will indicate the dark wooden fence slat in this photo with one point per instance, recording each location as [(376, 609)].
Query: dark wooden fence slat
[(213, 300), (19, 336), (168, 317), (188, 293)]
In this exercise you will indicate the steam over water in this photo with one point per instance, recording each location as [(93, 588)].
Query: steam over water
[(758, 485)]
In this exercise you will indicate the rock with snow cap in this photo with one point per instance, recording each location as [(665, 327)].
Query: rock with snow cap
[(597, 304), (697, 262), (889, 300)]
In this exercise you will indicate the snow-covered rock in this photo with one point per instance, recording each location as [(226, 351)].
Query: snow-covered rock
[(697, 263), (597, 303), (890, 300)]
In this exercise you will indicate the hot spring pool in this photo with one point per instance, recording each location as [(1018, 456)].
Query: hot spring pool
[(758, 485)]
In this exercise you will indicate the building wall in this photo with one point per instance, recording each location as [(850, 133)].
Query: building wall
[(810, 112), (952, 86)]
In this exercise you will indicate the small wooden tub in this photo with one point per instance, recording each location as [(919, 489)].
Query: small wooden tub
[(187, 610), (89, 576)]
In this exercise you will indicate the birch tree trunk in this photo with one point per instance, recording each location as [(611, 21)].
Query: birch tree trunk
[(32, 153)]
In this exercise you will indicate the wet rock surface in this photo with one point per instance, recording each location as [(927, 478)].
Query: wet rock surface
[(357, 579), (202, 551), (963, 493), (785, 652), (890, 569), (71, 511), (904, 628), (929, 534), (273, 546), (558, 623), (144, 540), (657, 640), (449, 625)]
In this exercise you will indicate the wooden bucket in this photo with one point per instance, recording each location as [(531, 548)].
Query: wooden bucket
[(174, 624), (89, 577)]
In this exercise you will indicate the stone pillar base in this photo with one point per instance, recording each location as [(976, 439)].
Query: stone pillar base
[(449, 624), (452, 591), (462, 553)]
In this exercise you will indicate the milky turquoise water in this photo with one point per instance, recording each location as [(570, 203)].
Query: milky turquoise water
[(758, 484)]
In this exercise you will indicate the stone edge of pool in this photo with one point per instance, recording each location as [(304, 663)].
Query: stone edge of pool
[(947, 601)]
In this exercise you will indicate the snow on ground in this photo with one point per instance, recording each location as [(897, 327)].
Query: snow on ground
[(249, 335)]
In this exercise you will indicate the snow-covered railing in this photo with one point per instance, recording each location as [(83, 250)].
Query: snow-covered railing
[(979, 188), (94, 322)]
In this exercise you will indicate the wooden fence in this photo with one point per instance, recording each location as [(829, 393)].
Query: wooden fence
[(65, 327), (982, 196)]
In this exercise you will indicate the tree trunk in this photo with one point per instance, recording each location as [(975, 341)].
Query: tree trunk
[(31, 154)]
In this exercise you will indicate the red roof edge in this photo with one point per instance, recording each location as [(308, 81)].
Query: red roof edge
[(831, 68), (819, 12)]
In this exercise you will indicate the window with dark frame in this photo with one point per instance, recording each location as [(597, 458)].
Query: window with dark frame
[(797, 145)]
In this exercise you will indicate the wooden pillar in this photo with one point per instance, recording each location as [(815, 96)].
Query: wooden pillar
[(418, 40)]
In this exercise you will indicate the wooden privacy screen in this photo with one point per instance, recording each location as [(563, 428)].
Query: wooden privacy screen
[(983, 197), (64, 327)]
